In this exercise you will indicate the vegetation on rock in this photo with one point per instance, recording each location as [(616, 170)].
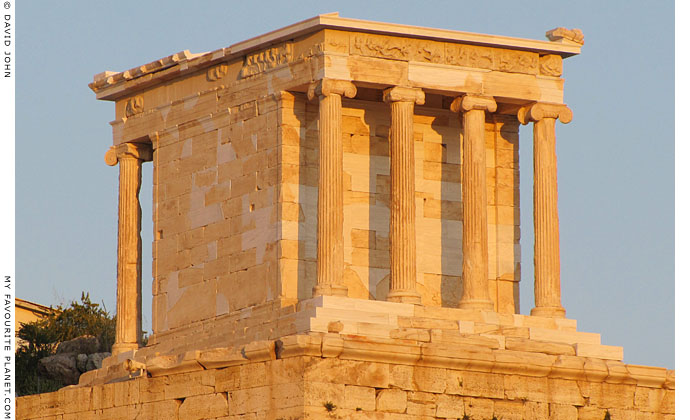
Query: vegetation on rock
[(41, 339)]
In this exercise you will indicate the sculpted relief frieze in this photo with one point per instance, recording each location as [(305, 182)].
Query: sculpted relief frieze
[(469, 56), (397, 48), (336, 41), (551, 65), (338, 45), (492, 58), (403, 49), (135, 105), (269, 58), (428, 51), (516, 61), (311, 51), (217, 72), (381, 46)]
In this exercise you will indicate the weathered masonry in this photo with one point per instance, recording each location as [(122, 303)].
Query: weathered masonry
[(336, 234)]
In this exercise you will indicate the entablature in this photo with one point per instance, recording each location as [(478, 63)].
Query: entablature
[(373, 56), (363, 38)]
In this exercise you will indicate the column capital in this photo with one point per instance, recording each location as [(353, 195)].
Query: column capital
[(539, 110), (404, 94), (141, 151), (325, 87), (470, 102)]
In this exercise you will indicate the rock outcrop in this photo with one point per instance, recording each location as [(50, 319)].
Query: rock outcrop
[(73, 358)]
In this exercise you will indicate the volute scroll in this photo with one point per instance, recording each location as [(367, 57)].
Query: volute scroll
[(139, 151)]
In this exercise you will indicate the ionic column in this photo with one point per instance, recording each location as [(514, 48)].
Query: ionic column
[(403, 280), (329, 228), (547, 260), (130, 156), (475, 248)]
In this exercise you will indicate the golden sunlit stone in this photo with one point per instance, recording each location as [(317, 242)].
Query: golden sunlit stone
[(337, 235)]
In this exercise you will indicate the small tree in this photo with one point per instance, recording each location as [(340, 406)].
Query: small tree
[(41, 338)]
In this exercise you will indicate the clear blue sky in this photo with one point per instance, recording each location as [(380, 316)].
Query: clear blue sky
[(615, 160)]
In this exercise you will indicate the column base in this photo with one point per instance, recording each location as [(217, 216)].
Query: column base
[(329, 290), (548, 311), (404, 296), (123, 347), (477, 305)]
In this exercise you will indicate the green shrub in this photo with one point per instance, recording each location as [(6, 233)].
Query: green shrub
[(41, 338)]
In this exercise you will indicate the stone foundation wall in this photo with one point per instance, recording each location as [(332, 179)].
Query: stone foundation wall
[(326, 376)]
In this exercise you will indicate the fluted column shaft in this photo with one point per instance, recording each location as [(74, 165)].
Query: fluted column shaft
[(547, 263), (475, 248), (128, 324), (403, 280), (329, 229)]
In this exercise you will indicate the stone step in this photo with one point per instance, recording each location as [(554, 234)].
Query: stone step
[(439, 313), (378, 319), (495, 318), (325, 325), (567, 337), (355, 315), (599, 351), (374, 306), (352, 321)]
